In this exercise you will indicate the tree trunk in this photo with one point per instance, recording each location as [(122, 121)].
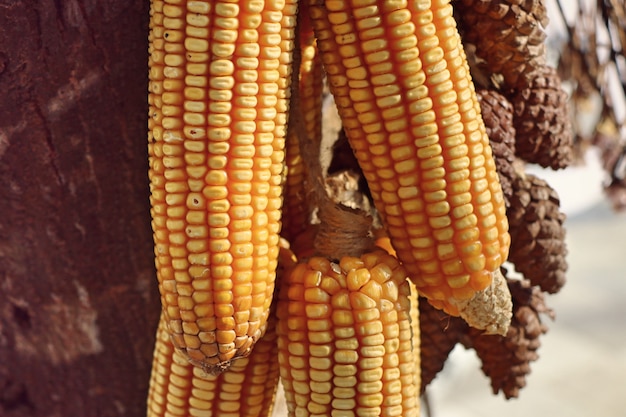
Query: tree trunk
[(78, 297)]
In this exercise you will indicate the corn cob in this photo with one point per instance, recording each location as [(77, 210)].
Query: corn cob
[(415, 331), (344, 337), (248, 388), (295, 209), (219, 82), (401, 82), (383, 242), (177, 388)]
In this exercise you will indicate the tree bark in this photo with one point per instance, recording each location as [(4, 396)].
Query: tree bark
[(78, 297)]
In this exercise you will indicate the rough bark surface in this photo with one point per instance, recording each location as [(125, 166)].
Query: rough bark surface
[(78, 297)]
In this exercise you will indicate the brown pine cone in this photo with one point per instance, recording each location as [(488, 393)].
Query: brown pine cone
[(507, 36), (506, 359), (537, 234), (541, 120), (497, 113), (439, 334)]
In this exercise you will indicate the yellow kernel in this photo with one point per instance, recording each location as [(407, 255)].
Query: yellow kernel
[(317, 310), (342, 318), (369, 328), (342, 356), (475, 263)]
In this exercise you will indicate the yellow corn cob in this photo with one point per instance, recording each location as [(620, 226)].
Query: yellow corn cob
[(247, 389), (311, 78), (416, 333), (219, 81), (384, 243), (295, 208), (402, 85), (344, 338), (177, 388)]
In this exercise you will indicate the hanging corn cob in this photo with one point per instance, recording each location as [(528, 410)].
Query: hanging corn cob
[(247, 389), (401, 82), (219, 80), (384, 243), (346, 343), (345, 339)]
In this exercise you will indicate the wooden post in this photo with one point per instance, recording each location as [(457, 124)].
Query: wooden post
[(78, 297)]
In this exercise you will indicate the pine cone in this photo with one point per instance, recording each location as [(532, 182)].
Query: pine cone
[(507, 36), (506, 359), (541, 120), (497, 113), (439, 334), (537, 234)]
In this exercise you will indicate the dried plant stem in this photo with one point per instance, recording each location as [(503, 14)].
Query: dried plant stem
[(342, 231)]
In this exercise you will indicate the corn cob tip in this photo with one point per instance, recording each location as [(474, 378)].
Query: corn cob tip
[(212, 369), (491, 309)]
